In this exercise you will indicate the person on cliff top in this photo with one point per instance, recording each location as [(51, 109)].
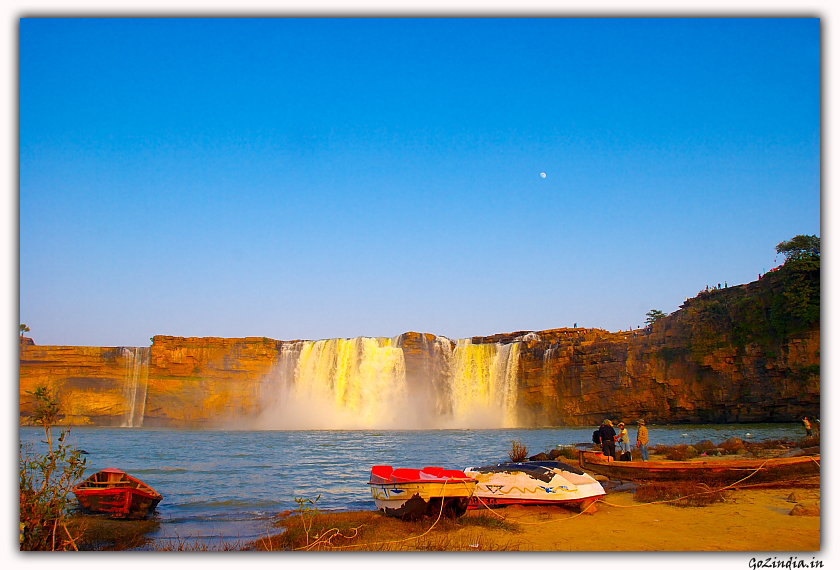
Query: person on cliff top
[(608, 438), (623, 438), (807, 423), (642, 440)]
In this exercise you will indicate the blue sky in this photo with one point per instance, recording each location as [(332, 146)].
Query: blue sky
[(329, 178)]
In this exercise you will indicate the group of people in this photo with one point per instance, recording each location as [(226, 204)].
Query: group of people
[(608, 437)]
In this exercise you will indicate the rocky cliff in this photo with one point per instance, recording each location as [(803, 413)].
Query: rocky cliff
[(741, 354)]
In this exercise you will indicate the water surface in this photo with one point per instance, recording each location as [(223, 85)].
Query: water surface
[(229, 484)]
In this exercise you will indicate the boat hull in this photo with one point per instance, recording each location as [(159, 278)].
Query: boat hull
[(714, 471), (538, 483), (116, 493), (411, 494), (415, 500), (119, 503)]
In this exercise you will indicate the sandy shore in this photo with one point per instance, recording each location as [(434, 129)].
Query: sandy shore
[(756, 519), (749, 520)]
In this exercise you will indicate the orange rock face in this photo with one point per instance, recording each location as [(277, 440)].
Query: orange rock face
[(184, 382), (702, 364)]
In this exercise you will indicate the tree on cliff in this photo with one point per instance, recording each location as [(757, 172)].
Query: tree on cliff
[(801, 276), (654, 315), (799, 247), (24, 329)]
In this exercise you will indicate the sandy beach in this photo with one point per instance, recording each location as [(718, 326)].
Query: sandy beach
[(754, 519)]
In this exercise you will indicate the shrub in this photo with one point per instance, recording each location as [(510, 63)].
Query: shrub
[(567, 453), (46, 481), (518, 451)]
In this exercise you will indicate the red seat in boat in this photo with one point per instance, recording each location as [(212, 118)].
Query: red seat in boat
[(387, 474)]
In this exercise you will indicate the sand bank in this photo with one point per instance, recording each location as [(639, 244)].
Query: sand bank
[(749, 520)]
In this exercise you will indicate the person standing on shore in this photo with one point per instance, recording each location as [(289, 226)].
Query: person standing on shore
[(623, 438), (807, 423), (608, 439), (642, 440)]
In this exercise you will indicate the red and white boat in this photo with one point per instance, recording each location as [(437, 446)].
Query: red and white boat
[(534, 483), (413, 493), (115, 492)]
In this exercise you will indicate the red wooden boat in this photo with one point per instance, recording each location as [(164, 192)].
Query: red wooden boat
[(715, 470), (115, 492)]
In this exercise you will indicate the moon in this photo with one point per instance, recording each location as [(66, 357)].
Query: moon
[(542, 174)]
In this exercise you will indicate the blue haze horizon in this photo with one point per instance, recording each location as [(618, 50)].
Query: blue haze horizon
[(337, 178), (230, 485)]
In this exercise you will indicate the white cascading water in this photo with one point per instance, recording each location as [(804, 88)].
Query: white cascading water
[(360, 383), (483, 385), (136, 384), (356, 383)]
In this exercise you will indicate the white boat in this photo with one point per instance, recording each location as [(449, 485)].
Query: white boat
[(533, 483), (412, 493)]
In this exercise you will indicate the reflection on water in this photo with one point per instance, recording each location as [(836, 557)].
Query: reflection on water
[(228, 484)]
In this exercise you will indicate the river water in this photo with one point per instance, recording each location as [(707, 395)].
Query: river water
[(228, 485)]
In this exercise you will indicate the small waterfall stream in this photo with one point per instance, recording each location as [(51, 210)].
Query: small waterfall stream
[(136, 384)]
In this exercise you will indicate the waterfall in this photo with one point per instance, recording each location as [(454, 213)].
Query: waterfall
[(484, 384), (136, 384), (340, 384), (360, 383)]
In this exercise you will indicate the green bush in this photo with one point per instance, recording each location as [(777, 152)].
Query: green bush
[(46, 481)]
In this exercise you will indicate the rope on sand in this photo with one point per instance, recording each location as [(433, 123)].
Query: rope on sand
[(337, 533)]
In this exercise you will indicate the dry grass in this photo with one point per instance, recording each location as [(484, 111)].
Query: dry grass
[(373, 531), (518, 451), (101, 532)]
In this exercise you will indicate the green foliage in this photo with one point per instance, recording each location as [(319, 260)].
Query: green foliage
[(307, 510), (802, 288), (799, 246), (786, 303), (654, 315), (24, 329), (46, 410), (805, 373), (46, 481), (668, 354)]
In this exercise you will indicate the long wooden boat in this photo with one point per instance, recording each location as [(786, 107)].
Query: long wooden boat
[(718, 471), (411, 493), (115, 492), (534, 483)]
